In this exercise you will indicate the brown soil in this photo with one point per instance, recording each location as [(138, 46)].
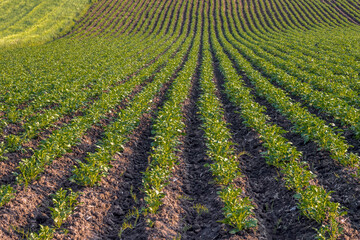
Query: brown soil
[(133, 22), (329, 174), (34, 201), (276, 208), (311, 152), (341, 11), (112, 204)]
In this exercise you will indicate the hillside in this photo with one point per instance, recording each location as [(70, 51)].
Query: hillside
[(189, 119), (38, 21)]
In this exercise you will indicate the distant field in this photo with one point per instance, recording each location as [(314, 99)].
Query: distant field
[(34, 21), (180, 119)]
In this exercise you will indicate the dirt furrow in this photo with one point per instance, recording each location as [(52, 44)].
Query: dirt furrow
[(276, 208), (106, 14), (105, 207), (342, 12), (24, 208), (92, 18), (134, 21)]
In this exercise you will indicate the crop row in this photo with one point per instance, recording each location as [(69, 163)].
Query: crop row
[(116, 134), (123, 56), (308, 125), (63, 139), (168, 127), (237, 208), (74, 99), (314, 201)]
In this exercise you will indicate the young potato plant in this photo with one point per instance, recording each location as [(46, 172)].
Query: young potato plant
[(13, 143), (237, 211), (45, 233), (64, 203), (91, 173), (3, 151), (297, 175), (6, 194), (314, 196)]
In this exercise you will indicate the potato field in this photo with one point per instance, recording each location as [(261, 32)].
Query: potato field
[(180, 119)]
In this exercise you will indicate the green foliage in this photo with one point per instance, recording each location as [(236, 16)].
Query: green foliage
[(90, 174), (6, 194), (130, 222), (37, 21), (315, 203), (169, 125), (13, 143), (64, 204), (200, 209), (45, 233), (3, 151), (282, 54), (237, 211), (297, 176), (220, 149)]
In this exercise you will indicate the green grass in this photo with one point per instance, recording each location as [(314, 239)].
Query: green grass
[(38, 21)]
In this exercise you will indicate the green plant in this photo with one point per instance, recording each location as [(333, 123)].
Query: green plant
[(237, 211), (64, 204), (45, 233), (200, 209), (89, 174), (3, 151), (6, 194), (132, 214), (13, 142), (314, 202), (297, 176), (132, 194)]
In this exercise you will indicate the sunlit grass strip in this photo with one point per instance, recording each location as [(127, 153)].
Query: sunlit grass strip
[(42, 23)]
